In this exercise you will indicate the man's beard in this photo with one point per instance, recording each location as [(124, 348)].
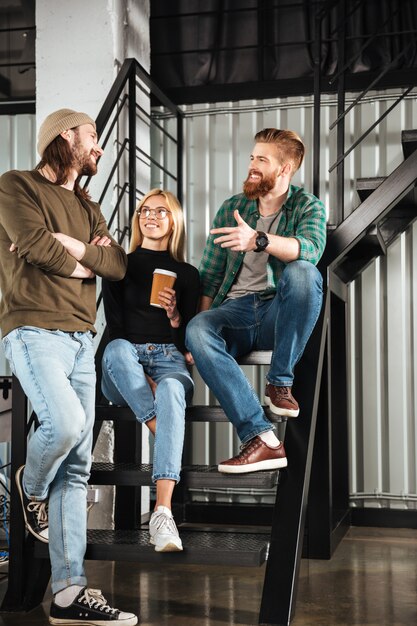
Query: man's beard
[(82, 160), (255, 190)]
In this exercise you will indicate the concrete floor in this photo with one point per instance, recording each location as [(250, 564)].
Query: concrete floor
[(370, 581)]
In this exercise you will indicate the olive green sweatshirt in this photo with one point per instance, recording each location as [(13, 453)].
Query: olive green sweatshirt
[(35, 284)]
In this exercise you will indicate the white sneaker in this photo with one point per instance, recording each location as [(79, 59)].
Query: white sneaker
[(163, 531)]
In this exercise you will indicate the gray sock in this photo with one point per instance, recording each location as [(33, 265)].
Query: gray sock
[(66, 596)]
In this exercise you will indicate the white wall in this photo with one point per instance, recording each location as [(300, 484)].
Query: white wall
[(80, 47), (18, 140)]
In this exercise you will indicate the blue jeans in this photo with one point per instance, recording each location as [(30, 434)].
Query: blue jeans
[(124, 383), (282, 324), (57, 373)]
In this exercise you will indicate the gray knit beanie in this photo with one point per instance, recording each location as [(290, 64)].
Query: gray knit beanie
[(57, 122)]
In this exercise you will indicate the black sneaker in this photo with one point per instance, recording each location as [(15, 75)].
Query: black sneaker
[(35, 513), (90, 608)]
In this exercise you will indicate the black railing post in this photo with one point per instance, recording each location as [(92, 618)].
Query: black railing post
[(15, 595), (340, 209), (132, 143), (180, 158), (316, 105), (287, 532)]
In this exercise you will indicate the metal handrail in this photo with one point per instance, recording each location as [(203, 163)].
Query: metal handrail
[(339, 123), (370, 129), (131, 77)]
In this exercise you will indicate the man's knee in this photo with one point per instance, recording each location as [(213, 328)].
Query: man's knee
[(68, 434), (196, 330), (302, 276)]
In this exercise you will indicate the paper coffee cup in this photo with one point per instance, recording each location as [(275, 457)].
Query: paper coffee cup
[(161, 279)]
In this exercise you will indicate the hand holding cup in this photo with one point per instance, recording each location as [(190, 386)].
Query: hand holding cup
[(168, 301), (163, 295), (161, 279)]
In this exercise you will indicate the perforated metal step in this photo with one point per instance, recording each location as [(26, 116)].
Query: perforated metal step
[(198, 413), (205, 476), (200, 548), (194, 476), (214, 413)]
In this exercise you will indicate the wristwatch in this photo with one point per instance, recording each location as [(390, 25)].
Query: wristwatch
[(261, 241)]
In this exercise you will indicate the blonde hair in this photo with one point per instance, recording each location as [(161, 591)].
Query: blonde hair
[(288, 144), (176, 243)]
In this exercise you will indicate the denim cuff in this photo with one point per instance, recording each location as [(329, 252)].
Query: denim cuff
[(147, 417), (59, 585), (255, 434), (281, 383), (167, 476)]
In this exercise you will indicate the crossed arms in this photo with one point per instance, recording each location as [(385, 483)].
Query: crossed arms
[(29, 222)]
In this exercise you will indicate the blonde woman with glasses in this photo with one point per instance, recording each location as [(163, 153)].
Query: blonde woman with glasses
[(144, 365)]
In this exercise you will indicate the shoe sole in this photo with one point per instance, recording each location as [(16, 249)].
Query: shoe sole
[(28, 526), (168, 547), (283, 412), (130, 621), (253, 467)]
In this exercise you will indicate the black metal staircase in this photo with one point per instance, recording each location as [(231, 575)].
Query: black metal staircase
[(316, 442), (389, 206), (278, 535), (204, 542)]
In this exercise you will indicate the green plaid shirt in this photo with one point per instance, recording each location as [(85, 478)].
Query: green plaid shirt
[(303, 217)]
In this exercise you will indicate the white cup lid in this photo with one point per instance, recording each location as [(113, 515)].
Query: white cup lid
[(166, 272)]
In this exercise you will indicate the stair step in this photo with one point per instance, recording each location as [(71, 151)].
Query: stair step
[(409, 142), (200, 476), (369, 247), (256, 357), (194, 476), (121, 474), (200, 548), (365, 186), (214, 413), (197, 413)]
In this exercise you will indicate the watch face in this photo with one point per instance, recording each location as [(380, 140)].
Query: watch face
[(261, 242)]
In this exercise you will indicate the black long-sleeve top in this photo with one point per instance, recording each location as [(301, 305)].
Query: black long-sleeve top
[(126, 302)]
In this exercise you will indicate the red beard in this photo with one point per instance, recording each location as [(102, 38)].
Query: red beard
[(255, 190)]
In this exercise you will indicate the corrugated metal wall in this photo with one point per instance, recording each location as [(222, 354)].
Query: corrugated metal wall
[(383, 372), (382, 308), (382, 303), (18, 152)]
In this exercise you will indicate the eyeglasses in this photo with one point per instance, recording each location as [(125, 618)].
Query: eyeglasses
[(160, 214)]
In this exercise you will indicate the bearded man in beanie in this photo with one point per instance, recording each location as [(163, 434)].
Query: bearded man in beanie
[(53, 242)]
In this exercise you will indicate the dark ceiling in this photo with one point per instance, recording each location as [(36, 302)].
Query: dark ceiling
[(220, 50), (17, 50)]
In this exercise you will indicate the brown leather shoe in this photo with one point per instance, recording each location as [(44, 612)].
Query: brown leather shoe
[(281, 401), (254, 456)]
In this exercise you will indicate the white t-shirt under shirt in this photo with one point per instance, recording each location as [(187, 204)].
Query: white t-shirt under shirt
[(252, 276)]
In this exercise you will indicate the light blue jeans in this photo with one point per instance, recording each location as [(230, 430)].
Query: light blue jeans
[(282, 323), (57, 373), (124, 383)]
